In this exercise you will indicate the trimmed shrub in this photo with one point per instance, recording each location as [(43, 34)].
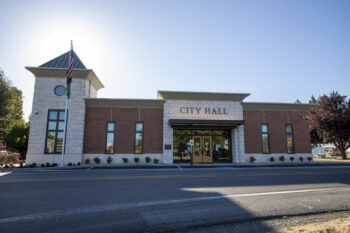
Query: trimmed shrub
[(272, 159), (109, 160), (97, 160), (21, 165), (48, 165), (33, 164), (54, 164), (281, 158), (78, 163), (252, 159), (70, 164), (137, 159), (301, 159), (148, 159), (42, 165), (125, 160), (87, 161), (291, 158), (155, 160), (6, 166), (309, 159)]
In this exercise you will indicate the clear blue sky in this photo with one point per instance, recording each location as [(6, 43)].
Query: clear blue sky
[(276, 50)]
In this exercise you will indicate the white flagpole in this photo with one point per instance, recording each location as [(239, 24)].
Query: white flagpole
[(65, 114), (64, 132)]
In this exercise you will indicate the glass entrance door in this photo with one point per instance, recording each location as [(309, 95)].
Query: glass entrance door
[(202, 149)]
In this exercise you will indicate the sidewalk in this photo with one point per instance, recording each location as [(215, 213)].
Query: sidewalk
[(185, 166)]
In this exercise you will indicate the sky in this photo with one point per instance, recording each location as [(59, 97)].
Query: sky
[(278, 51)]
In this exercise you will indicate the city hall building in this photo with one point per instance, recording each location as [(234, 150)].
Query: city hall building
[(175, 127)]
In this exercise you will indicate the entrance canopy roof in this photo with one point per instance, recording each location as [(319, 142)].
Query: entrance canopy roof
[(217, 124)]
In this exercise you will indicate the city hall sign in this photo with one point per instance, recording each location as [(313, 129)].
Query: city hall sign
[(205, 110)]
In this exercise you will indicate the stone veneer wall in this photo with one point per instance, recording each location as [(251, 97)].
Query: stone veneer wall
[(45, 99), (234, 110)]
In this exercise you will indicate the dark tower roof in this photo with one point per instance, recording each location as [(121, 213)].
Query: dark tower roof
[(62, 62)]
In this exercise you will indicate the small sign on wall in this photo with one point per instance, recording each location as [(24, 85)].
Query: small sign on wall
[(190, 143), (167, 146)]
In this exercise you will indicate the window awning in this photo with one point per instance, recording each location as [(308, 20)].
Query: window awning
[(187, 123)]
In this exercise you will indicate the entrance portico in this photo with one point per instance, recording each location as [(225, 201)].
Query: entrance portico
[(203, 127)]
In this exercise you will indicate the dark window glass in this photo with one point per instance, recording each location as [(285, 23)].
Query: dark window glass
[(222, 149), (289, 136), (110, 134), (265, 138), (50, 142), (201, 132), (182, 131), (139, 138), (54, 135), (182, 148)]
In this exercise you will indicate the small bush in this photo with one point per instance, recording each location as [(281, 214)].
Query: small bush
[(78, 163), (70, 164), (42, 165), (125, 160), (272, 159), (87, 161), (281, 158), (54, 164), (97, 160), (291, 158), (155, 160), (301, 159), (309, 159), (148, 159), (21, 165), (6, 166), (33, 164), (252, 159), (137, 159), (48, 165), (109, 160)]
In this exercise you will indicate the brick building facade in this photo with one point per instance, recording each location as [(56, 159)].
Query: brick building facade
[(176, 127)]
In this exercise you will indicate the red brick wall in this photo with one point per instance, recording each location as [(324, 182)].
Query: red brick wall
[(125, 118), (277, 121)]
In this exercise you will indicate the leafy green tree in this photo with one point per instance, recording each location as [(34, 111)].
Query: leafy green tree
[(331, 121), (313, 100), (17, 139), (297, 101), (13, 129)]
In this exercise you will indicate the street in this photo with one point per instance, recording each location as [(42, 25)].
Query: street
[(159, 200)]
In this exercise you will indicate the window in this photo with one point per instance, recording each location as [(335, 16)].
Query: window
[(139, 138), (265, 138), (54, 132), (290, 141), (110, 133)]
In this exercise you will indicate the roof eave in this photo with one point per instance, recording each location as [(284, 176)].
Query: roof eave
[(61, 72)]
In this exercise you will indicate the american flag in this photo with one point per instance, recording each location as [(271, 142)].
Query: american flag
[(70, 70)]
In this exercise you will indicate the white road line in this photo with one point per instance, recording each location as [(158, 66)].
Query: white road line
[(117, 206), (5, 173)]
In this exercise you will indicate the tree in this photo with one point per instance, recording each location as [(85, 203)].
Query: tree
[(313, 100), (13, 129), (297, 101), (17, 139), (331, 120)]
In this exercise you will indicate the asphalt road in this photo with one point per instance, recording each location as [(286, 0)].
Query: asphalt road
[(164, 200)]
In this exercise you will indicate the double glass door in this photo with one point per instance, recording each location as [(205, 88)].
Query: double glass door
[(202, 149)]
